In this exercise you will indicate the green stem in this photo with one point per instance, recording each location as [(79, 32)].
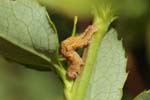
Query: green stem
[(81, 83), (102, 22), (67, 83), (74, 26)]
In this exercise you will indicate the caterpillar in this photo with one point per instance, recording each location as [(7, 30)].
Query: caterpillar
[(68, 47)]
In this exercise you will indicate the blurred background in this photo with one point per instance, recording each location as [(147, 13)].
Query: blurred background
[(133, 25), (20, 83)]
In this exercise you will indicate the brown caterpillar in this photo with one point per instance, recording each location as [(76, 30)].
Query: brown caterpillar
[(68, 47)]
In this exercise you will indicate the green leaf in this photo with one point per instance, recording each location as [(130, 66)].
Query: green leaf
[(27, 35), (109, 73), (143, 96)]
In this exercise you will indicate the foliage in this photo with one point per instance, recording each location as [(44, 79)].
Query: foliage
[(29, 37), (143, 96), (26, 33), (109, 80)]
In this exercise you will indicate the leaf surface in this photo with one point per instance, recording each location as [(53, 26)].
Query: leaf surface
[(109, 73), (26, 35), (143, 96)]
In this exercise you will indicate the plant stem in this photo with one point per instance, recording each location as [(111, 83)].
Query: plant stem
[(102, 22), (81, 83), (74, 26), (67, 83)]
